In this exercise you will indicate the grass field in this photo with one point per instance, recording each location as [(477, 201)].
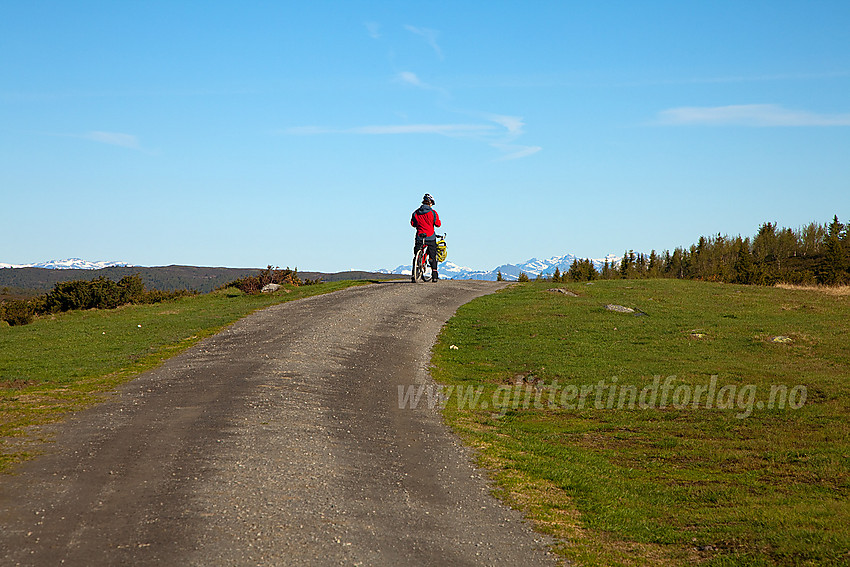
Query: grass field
[(62, 363), (708, 427)]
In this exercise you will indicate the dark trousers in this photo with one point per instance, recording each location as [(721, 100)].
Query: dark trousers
[(432, 250)]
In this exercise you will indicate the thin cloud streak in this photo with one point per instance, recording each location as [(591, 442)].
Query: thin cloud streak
[(516, 152), (503, 130), (754, 115), (113, 139), (430, 37), (443, 129), (411, 79), (373, 29), (513, 124)]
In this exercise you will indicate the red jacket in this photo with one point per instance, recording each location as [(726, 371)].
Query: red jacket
[(424, 219)]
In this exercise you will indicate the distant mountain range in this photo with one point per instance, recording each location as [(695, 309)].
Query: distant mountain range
[(69, 264), (448, 270), (510, 272)]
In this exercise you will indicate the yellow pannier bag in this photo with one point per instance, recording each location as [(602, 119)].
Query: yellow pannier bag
[(442, 252)]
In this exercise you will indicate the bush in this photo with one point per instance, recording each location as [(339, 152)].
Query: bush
[(17, 312), (523, 277), (255, 284), (158, 296), (132, 289), (100, 293)]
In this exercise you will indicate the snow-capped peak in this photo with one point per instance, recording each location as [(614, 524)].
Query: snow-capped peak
[(69, 264)]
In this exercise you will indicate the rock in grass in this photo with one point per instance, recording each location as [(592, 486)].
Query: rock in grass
[(564, 291), (270, 288), (782, 339), (619, 308)]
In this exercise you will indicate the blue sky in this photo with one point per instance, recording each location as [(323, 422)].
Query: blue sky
[(305, 133)]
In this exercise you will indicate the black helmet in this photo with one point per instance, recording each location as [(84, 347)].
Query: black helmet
[(427, 199)]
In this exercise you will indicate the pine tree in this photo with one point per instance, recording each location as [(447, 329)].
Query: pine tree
[(832, 268), (653, 269), (499, 277), (625, 267), (574, 271), (743, 268), (556, 277)]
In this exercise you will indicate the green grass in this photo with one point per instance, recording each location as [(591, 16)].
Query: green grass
[(739, 484), (62, 363)]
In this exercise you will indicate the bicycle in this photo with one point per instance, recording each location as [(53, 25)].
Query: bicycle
[(419, 273)]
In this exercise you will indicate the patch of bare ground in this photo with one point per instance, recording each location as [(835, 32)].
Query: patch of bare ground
[(835, 290)]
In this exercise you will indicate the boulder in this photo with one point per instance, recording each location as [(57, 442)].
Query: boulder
[(562, 290)]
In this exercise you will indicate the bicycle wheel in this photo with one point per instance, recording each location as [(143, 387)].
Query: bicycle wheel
[(416, 270), (420, 266)]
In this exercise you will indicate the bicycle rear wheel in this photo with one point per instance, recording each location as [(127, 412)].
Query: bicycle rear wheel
[(420, 266)]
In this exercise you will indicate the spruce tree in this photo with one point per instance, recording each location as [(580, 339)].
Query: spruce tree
[(625, 267), (743, 268), (832, 268), (574, 271)]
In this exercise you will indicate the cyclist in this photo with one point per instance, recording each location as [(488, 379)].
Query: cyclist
[(424, 219)]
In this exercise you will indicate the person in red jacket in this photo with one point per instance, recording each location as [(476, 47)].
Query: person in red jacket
[(424, 219)]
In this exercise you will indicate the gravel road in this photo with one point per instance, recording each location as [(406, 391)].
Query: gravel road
[(279, 441)]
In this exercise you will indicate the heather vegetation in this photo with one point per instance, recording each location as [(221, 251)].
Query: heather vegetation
[(104, 293), (814, 254), (99, 293), (271, 275)]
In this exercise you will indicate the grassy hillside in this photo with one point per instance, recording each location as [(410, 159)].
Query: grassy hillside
[(61, 363), (709, 426)]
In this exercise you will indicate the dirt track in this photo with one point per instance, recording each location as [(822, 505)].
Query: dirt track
[(277, 442)]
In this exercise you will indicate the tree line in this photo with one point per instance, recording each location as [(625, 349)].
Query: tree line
[(813, 254)]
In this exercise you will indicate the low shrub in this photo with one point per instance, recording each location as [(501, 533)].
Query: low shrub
[(254, 284), (99, 293), (17, 312)]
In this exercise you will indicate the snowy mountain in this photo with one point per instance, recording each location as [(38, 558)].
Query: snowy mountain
[(69, 264), (532, 268)]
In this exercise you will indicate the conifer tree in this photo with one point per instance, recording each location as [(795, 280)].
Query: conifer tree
[(574, 271), (743, 268), (625, 267), (832, 268), (556, 277), (653, 267)]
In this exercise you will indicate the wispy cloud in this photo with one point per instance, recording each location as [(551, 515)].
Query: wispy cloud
[(430, 36), (516, 151), (373, 29), (385, 129), (512, 124), (758, 115), (411, 79), (499, 131), (113, 139)]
